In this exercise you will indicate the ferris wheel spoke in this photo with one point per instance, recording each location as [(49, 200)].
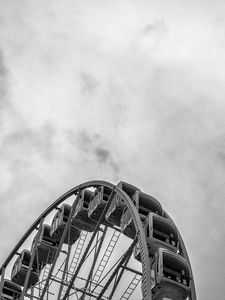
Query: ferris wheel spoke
[(123, 260), (89, 281), (131, 287), (78, 251), (118, 277), (65, 271), (106, 256)]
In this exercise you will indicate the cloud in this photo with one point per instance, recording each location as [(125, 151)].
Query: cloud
[(102, 155), (89, 83), (88, 91), (154, 33), (94, 149), (3, 80)]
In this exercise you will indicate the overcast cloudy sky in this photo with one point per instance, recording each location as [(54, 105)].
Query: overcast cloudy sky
[(116, 90)]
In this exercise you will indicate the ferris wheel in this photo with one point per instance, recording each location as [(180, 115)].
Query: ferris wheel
[(100, 241)]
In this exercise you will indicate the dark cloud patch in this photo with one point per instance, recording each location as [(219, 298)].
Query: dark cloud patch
[(94, 148), (85, 140), (154, 34), (220, 147), (8, 111), (102, 154), (89, 83), (2, 65), (116, 169), (2, 20), (158, 26), (26, 141), (3, 80), (26, 156)]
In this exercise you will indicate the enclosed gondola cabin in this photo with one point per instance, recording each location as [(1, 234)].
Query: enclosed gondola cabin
[(46, 246), (171, 275), (117, 205), (144, 204), (98, 201), (59, 223), (127, 225), (80, 217), (20, 269), (160, 233), (10, 290)]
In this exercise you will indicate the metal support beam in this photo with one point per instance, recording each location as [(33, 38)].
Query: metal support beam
[(117, 279), (127, 254), (132, 270), (65, 274), (94, 262)]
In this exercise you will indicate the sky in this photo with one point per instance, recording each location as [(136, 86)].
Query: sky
[(116, 90)]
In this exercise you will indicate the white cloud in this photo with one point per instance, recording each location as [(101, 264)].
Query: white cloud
[(143, 82)]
